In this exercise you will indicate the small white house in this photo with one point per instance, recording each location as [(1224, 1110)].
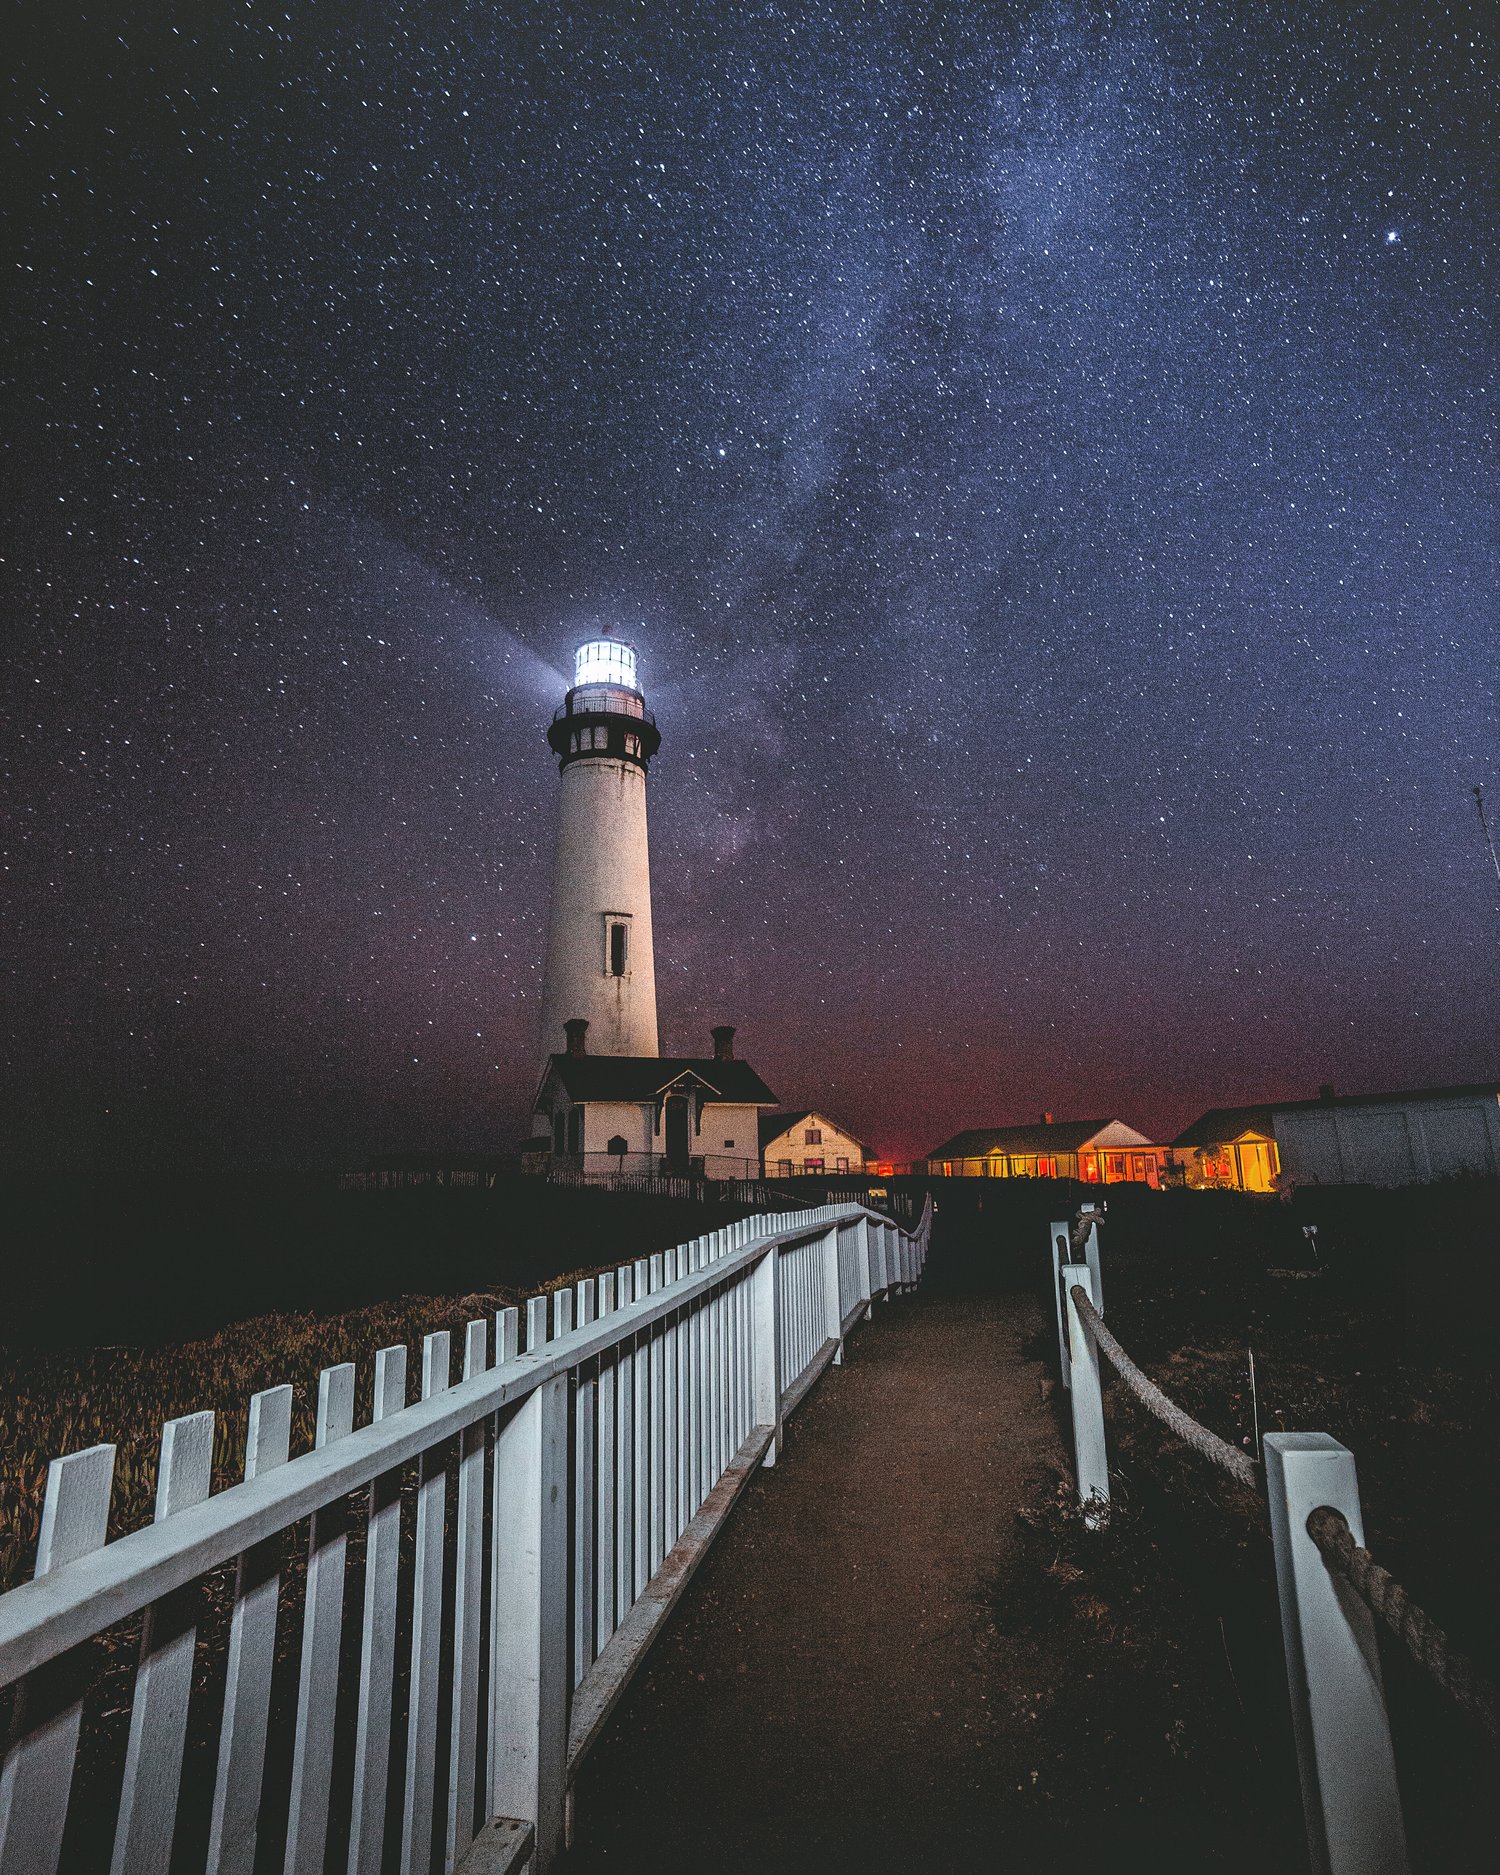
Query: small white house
[(793, 1145), (658, 1114), (1389, 1139)]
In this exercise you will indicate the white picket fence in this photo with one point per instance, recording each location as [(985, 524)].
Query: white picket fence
[(589, 1473)]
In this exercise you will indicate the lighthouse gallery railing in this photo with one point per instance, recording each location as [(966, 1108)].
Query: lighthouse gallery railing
[(562, 1497)]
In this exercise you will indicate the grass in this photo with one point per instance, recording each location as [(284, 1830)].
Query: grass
[(99, 1281)]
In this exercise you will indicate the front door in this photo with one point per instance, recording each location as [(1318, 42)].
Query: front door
[(677, 1136)]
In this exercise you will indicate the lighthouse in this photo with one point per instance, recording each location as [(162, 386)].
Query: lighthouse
[(601, 968), (610, 1103)]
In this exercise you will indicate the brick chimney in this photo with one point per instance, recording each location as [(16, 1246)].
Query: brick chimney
[(1046, 1119), (1325, 1092), (723, 1042), (576, 1030)]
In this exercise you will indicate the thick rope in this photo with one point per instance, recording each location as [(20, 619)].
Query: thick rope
[(1422, 1638), (1082, 1225), (1209, 1445)]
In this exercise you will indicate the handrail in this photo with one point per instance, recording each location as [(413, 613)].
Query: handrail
[(1207, 1444), (1458, 1676)]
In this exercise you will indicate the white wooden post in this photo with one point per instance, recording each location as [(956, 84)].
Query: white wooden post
[(604, 1579), (1350, 1801), (424, 1688), (322, 1620), (1090, 1458), (529, 1697), (468, 1591), (833, 1306), (38, 1770), (584, 1491), (377, 1648), (1057, 1244), (158, 1714), (766, 1347), (1091, 1257), (252, 1652)]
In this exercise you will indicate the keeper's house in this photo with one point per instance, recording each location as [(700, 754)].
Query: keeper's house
[(794, 1145), (656, 1114), (1228, 1149), (1098, 1152)]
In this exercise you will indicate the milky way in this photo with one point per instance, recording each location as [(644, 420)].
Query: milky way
[(1043, 454)]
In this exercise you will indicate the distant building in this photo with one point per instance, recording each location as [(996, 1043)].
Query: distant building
[(1404, 1138), (794, 1144), (1102, 1152), (1390, 1139), (1229, 1149), (657, 1114)]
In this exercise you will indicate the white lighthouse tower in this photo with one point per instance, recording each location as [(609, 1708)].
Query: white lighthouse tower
[(600, 964)]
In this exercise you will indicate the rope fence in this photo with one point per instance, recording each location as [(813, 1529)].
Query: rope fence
[(1209, 1445), (1330, 1589), (1417, 1632)]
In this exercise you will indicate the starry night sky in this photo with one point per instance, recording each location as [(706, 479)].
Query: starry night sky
[(1043, 453)]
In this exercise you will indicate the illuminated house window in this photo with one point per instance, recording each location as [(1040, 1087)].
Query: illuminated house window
[(842, 1164)]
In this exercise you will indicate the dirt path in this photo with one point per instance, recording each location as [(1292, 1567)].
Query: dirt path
[(834, 1692), (823, 1698)]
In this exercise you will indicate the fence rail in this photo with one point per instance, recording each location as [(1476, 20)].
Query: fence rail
[(524, 1531)]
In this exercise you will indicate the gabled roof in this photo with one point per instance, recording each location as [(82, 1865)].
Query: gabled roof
[(773, 1125), (1221, 1124), (646, 1077), (1045, 1137)]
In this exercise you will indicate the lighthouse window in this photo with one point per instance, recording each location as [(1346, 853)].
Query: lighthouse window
[(619, 949), (632, 745)]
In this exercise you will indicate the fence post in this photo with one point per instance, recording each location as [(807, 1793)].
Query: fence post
[(764, 1289), (1090, 1456), (1091, 1257), (1057, 1245), (833, 1301), (529, 1696), (1350, 1801)]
